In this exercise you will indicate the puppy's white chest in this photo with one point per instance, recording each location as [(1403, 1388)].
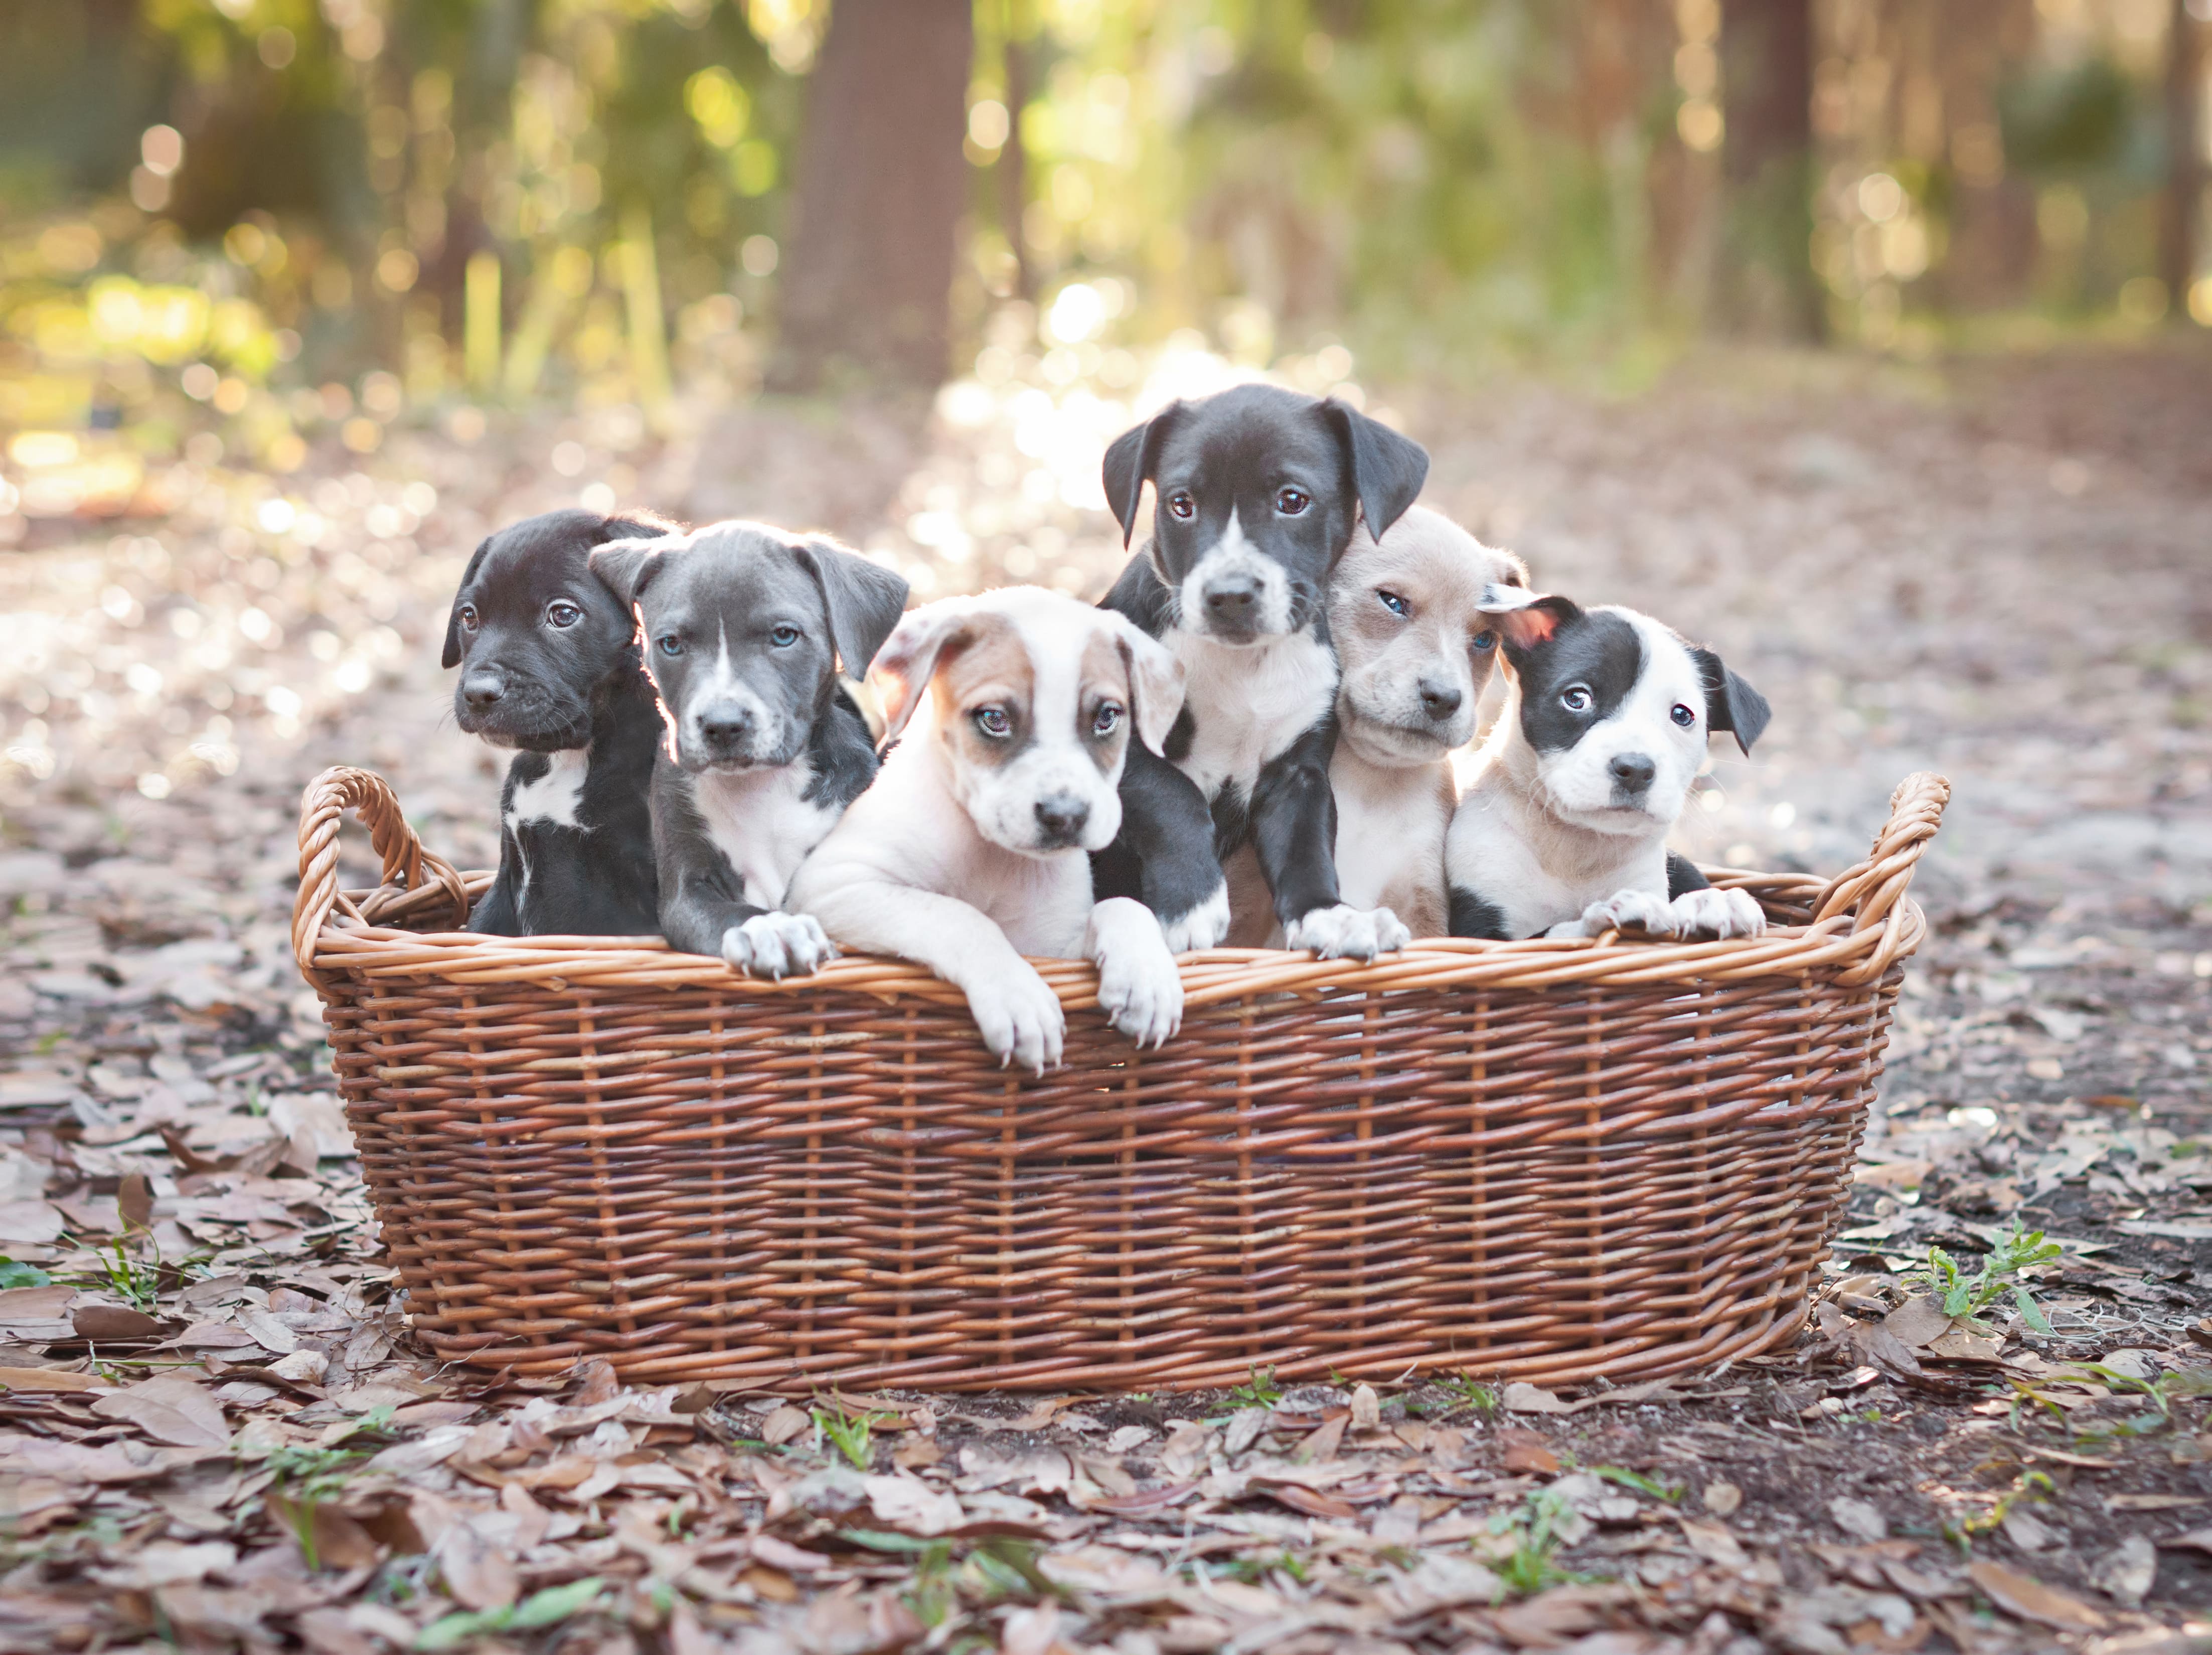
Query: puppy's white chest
[(1248, 704), (764, 825), (555, 798)]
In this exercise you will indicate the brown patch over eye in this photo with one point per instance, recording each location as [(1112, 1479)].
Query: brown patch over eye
[(993, 676), (1104, 681)]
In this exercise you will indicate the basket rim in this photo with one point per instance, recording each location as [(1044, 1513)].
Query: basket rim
[(1861, 923)]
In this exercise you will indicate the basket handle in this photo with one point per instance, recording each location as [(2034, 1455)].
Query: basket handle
[(1875, 887), (323, 807)]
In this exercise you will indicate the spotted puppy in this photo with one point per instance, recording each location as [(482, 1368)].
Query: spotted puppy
[(1563, 830), (745, 628), (1417, 650), (971, 850), (1258, 492), (549, 671)]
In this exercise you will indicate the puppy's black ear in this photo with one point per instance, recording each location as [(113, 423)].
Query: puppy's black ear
[(1387, 469), (626, 567), (1731, 704), (452, 655), (863, 599), (1131, 458)]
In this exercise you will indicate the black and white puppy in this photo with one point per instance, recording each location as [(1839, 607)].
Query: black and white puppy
[(1562, 831), (548, 667), (1258, 491), (745, 631)]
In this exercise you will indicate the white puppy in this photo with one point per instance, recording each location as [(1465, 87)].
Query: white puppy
[(1563, 829), (973, 847)]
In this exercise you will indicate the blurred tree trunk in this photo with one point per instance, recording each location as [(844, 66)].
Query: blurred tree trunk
[(880, 184), (2184, 173), (1764, 284), (1013, 159)]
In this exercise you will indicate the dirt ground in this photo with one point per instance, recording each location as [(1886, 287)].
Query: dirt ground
[(215, 1433)]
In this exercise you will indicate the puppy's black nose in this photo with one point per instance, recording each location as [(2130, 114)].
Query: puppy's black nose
[(1438, 699), (724, 729), (483, 690), (1632, 772), (1232, 598), (1062, 816)]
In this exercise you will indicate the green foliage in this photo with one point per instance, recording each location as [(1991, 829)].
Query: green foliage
[(850, 1433), (1261, 1390), (13, 1275), (542, 1608), (1471, 1393), (1670, 1491), (1968, 1296), (119, 1272), (1534, 1533)]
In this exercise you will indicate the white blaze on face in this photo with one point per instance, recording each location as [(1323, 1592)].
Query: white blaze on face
[(720, 692), (1580, 780), (1234, 558)]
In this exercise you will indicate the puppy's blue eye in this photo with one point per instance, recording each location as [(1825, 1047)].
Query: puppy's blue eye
[(993, 722), (562, 614), (670, 644), (1576, 699), (1485, 641), (1684, 715), (784, 636), (1108, 717), (1391, 601)]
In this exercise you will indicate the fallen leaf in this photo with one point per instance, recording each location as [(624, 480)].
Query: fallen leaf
[(1520, 1397), (1149, 1499), (1916, 1322), (112, 1322), (1722, 1498), (50, 1379), (1859, 1518), (597, 1382), (134, 1199), (171, 1409), (912, 1507), (1311, 1501), (1030, 1631), (2030, 1599), (1526, 1452), (327, 1537), (1366, 1409), (783, 1555), (478, 1574), (784, 1424), (2151, 1502), (1713, 1542)]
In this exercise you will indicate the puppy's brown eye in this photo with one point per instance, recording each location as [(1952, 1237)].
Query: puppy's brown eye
[(1107, 720), (1180, 505), (468, 617), (562, 614), (1291, 501), (994, 722)]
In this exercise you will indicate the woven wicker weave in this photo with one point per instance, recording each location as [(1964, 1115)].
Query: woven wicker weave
[(1543, 1160)]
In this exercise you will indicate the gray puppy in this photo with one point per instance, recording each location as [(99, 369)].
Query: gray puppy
[(745, 629)]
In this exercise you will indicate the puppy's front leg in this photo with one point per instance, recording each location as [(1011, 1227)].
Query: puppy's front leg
[(1018, 1013), (1139, 986), (700, 918), (1163, 856), (1294, 831)]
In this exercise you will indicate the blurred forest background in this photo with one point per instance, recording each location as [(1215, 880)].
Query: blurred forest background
[(234, 228)]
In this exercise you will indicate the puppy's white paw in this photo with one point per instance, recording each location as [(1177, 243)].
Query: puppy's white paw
[(1139, 986), (1718, 914), (1648, 911), (1204, 927), (1346, 932), (777, 944), (1020, 1018)]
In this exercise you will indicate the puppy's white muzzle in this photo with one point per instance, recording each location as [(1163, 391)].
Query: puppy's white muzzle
[(1236, 592), (1042, 804), (728, 727)]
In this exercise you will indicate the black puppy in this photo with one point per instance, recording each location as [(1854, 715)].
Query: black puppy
[(549, 666), (1258, 491)]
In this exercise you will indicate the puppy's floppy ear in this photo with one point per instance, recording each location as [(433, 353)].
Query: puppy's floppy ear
[(1524, 618), (1155, 684), (862, 599), (625, 568), (452, 655), (903, 666), (1387, 469), (1131, 458), (1731, 704)]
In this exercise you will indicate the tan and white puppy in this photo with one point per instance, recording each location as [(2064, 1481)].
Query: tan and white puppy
[(1416, 650), (973, 847)]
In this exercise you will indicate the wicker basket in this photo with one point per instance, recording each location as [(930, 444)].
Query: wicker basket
[(1541, 1160)]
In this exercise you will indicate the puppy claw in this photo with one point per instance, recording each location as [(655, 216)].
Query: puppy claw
[(1717, 914), (1020, 1019), (1346, 932), (1203, 927), (1139, 989), (1645, 911), (774, 946)]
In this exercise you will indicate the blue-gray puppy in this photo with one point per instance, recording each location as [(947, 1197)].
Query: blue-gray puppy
[(745, 629)]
